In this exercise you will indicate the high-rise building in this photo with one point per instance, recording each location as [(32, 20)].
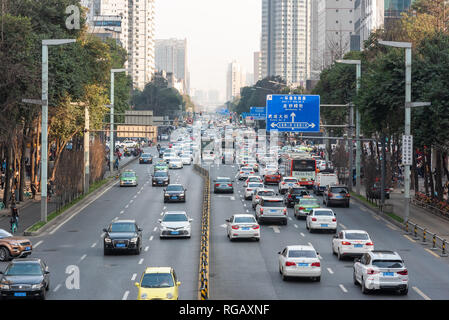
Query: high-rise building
[(286, 39), (257, 69), (393, 10), (235, 81), (171, 56), (132, 24), (335, 22), (369, 17)]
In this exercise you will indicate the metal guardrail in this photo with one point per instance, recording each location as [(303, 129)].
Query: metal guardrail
[(203, 281), (426, 237)]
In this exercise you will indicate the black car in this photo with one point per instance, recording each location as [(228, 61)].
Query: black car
[(175, 193), (160, 178), (146, 158), (25, 278), (161, 152), (123, 236), (293, 193)]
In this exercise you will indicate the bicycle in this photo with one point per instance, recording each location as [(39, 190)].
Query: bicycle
[(13, 227)]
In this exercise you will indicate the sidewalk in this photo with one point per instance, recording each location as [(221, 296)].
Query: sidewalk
[(30, 210), (422, 217)]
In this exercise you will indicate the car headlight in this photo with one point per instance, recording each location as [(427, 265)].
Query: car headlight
[(107, 240), (134, 239), (181, 195), (143, 296), (36, 286), (169, 295), (4, 286)]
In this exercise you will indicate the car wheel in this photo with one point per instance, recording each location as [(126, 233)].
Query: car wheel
[(284, 222), (42, 296), (339, 256), (284, 277), (318, 279), (354, 278), (403, 292), (333, 250), (364, 289), (105, 251), (257, 239), (4, 254)]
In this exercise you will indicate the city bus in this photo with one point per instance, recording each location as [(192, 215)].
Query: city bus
[(302, 167)]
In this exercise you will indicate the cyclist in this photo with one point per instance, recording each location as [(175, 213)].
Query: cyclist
[(14, 218)]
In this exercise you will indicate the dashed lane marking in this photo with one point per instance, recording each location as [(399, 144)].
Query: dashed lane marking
[(391, 227), (343, 226), (83, 257), (134, 277), (93, 245), (421, 293), (147, 248), (330, 270), (432, 253), (57, 288), (155, 228), (141, 261), (342, 287), (302, 234), (122, 212), (295, 225), (40, 242), (125, 296), (151, 238)]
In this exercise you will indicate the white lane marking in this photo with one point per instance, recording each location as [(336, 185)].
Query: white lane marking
[(83, 207), (330, 270), (310, 244), (290, 218), (162, 213), (302, 234), (131, 201), (247, 211), (295, 225), (127, 206), (155, 228), (232, 198), (125, 296), (83, 257), (135, 197), (147, 248), (276, 229), (363, 209), (376, 217), (115, 219), (141, 261), (244, 204), (391, 227), (122, 212), (343, 226), (57, 288), (421, 293), (343, 288), (134, 277), (151, 238), (93, 245), (165, 208), (40, 242)]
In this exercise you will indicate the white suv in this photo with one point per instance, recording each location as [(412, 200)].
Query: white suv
[(286, 183), (378, 269), (271, 208)]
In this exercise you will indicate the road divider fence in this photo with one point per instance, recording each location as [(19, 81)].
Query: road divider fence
[(203, 281), (426, 237)]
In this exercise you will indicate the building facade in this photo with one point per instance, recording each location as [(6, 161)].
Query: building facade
[(235, 80), (257, 67), (286, 39), (370, 16)]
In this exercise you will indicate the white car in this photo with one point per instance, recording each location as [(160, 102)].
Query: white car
[(286, 183), (348, 243), (242, 226), (299, 261), (186, 160), (381, 269), (253, 179), (175, 163), (321, 218), (252, 186), (175, 224), (261, 192), (244, 173)]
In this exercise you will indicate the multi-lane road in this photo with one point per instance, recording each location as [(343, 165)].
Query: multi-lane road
[(240, 270)]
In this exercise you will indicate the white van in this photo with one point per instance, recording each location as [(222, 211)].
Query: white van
[(323, 180)]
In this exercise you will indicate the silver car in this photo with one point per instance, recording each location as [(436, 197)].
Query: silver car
[(271, 209), (175, 224), (260, 193), (252, 186), (379, 269)]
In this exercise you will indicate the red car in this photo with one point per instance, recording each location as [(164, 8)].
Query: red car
[(272, 177)]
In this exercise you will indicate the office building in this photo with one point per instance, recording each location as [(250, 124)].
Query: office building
[(257, 69), (235, 81)]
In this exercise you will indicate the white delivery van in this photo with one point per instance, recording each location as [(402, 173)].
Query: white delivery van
[(323, 180)]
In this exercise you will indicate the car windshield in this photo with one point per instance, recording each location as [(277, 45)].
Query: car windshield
[(323, 213), (356, 236), (266, 193), (175, 188), (301, 254), (244, 220), (247, 169), (290, 180), (128, 175), (254, 179), (4, 234), (123, 227), (309, 202), (255, 185), (272, 173), (339, 190), (223, 180), (160, 174), (174, 217), (157, 280), (274, 204), (388, 263), (146, 155), (24, 269)]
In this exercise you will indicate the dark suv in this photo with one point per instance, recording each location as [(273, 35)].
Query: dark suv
[(336, 195), (160, 178), (122, 236), (294, 193)]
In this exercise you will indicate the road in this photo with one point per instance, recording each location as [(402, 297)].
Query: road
[(79, 241), (249, 270)]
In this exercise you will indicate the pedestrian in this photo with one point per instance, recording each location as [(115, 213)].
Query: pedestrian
[(15, 214), (49, 191), (2, 181), (33, 190)]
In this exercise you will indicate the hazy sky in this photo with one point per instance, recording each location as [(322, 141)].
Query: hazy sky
[(217, 32)]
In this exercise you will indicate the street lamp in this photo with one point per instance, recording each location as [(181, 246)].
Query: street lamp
[(358, 64), (111, 135), (408, 99), (44, 134)]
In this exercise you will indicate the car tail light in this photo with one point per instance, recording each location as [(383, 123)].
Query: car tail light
[(313, 219), (334, 219), (346, 243), (256, 227), (229, 184), (348, 195), (371, 271), (261, 210), (249, 189), (289, 264), (251, 172), (241, 172), (403, 272), (301, 208), (316, 264), (257, 197), (289, 196), (282, 182), (217, 184), (235, 227), (285, 210), (369, 244)]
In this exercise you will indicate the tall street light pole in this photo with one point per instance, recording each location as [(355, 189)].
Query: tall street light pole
[(408, 99), (44, 133), (358, 152), (111, 134)]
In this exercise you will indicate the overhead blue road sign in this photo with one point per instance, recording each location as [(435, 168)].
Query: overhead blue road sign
[(258, 113), (257, 110), (293, 113)]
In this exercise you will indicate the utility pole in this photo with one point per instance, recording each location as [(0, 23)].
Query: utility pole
[(86, 149)]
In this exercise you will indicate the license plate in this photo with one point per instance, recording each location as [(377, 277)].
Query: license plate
[(324, 225), (358, 245), (174, 198), (303, 264), (338, 197), (388, 274), (20, 294), (175, 232), (273, 211), (245, 229), (160, 182), (120, 245), (27, 248)]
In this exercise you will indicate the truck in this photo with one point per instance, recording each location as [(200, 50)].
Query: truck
[(322, 181)]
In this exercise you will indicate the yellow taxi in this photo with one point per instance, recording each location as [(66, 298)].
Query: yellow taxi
[(158, 283)]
